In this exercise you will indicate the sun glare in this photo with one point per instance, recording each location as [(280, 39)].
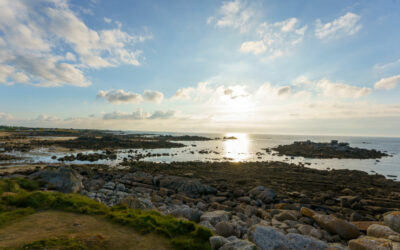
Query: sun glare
[(237, 149)]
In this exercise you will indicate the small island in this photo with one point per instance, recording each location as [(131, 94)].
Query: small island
[(334, 149)]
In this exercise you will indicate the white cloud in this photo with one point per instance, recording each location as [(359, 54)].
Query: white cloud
[(191, 92), (119, 96), (333, 89), (34, 32), (346, 25), (255, 47), (153, 96), (107, 20), (139, 115), (386, 66), (232, 14), (387, 83), (276, 39)]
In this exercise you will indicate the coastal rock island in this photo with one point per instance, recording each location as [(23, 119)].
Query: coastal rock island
[(333, 149)]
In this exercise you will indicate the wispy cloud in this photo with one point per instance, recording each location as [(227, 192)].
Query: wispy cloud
[(121, 96), (139, 115), (387, 83), (232, 14), (346, 25)]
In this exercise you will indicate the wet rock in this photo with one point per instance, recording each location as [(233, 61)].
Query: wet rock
[(62, 179), (265, 194), (370, 243), (224, 228), (337, 226), (380, 231), (215, 216), (392, 220)]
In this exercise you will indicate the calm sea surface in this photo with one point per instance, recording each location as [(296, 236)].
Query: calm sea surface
[(250, 147)]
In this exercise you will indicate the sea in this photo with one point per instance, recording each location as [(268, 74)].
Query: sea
[(251, 148)]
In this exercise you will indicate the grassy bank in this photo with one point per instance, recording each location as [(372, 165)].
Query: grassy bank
[(20, 198)]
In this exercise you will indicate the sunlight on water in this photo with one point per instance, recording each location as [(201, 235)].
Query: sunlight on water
[(237, 150)]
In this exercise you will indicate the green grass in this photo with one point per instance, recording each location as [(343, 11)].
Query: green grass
[(25, 200)]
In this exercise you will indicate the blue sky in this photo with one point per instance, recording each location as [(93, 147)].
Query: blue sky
[(298, 67)]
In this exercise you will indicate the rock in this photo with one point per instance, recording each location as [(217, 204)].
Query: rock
[(215, 216), (370, 243), (137, 203), (266, 238), (217, 241), (305, 229), (363, 225), (380, 231), (109, 185), (298, 241), (265, 194), (224, 228), (207, 224), (287, 215), (62, 179), (286, 206), (394, 238), (356, 217), (392, 220), (191, 187), (188, 213), (307, 212), (239, 245), (337, 226)]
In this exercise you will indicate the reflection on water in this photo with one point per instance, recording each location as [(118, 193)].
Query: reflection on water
[(237, 150)]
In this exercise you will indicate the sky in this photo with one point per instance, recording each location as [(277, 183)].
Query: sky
[(272, 67)]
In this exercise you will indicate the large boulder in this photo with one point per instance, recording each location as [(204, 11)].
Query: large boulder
[(267, 238), (62, 179), (217, 241), (370, 243), (265, 194), (215, 216), (392, 220), (338, 226), (189, 186), (380, 231)]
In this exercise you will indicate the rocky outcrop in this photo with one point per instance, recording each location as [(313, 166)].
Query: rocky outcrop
[(392, 220), (191, 187), (337, 226), (265, 194), (62, 179)]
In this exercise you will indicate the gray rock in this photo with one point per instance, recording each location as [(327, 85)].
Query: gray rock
[(189, 186), (188, 213), (380, 231), (62, 179), (265, 194), (268, 238), (224, 228), (298, 241), (392, 220), (215, 216), (217, 241), (109, 185), (207, 224), (239, 245)]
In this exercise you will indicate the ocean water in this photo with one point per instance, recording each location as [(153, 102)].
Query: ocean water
[(251, 147)]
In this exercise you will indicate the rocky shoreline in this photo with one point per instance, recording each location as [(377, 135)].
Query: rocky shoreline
[(248, 214)]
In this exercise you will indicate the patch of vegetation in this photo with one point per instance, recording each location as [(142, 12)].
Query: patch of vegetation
[(22, 201), (56, 243)]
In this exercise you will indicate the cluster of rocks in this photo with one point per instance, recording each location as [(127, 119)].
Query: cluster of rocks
[(334, 149), (240, 219), (106, 155)]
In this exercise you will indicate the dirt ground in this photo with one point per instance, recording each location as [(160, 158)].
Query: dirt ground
[(52, 224)]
